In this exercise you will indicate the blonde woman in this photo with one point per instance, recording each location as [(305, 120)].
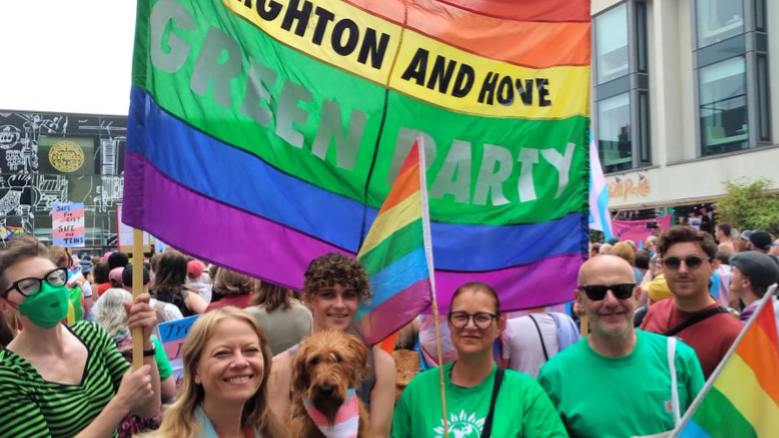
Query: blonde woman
[(109, 314), (224, 394)]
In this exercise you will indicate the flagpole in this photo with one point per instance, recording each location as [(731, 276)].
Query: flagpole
[(431, 268), (767, 298), (137, 332)]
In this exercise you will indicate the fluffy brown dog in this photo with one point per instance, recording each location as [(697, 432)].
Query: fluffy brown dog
[(325, 367)]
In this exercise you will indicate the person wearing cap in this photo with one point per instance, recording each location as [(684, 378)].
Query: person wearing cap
[(761, 241), (115, 276), (753, 273), (197, 282), (165, 311)]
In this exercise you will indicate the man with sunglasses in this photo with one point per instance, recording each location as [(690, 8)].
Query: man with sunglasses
[(616, 382), (693, 314)]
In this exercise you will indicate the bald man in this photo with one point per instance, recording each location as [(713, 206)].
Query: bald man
[(616, 382)]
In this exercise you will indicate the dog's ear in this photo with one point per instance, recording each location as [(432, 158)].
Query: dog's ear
[(299, 371)]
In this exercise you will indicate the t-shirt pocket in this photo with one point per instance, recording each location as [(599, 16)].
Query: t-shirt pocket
[(659, 410)]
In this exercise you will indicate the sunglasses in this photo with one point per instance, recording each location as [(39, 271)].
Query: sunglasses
[(692, 262), (597, 292)]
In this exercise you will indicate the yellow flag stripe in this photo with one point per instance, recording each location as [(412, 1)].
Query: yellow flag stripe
[(426, 69), (405, 212), (738, 382)]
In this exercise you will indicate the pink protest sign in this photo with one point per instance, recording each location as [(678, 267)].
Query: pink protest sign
[(67, 224), (637, 231)]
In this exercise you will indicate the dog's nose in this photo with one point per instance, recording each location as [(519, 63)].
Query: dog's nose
[(326, 389)]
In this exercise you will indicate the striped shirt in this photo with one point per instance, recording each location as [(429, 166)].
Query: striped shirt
[(36, 408)]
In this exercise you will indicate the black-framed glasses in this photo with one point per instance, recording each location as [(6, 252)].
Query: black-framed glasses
[(32, 285), (597, 292), (482, 320), (692, 262)]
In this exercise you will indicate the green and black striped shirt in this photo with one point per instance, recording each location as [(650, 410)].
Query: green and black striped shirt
[(36, 408)]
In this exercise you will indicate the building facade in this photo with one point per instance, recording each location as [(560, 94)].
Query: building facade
[(58, 157), (685, 97)]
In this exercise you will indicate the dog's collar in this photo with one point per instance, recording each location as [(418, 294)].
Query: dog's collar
[(347, 419)]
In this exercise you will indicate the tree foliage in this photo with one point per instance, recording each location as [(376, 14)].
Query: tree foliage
[(749, 205)]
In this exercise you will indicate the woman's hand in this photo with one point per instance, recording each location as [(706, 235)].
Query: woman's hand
[(141, 314), (135, 391)]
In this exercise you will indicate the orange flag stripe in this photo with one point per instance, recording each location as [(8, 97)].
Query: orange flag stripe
[(535, 44)]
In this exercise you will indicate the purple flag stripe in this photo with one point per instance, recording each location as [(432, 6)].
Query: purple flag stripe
[(391, 314), (216, 232)]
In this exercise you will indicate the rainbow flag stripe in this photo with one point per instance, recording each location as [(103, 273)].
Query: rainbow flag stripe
[(744, 399), (265, 133), (397, 256)]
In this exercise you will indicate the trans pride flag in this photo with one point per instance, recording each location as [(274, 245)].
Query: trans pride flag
[(600, 216), (263, 134), (741, 399), (397, 255)]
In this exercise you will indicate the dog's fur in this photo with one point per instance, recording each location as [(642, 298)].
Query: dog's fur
[(327, 358)]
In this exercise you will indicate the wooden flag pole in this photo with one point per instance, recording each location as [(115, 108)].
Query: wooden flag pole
[(137, 332), (440, 362), (584, 328)]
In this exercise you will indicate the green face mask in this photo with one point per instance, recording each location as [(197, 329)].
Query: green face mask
[(48, 307)]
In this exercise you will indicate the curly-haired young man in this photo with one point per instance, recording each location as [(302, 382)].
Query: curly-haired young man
[(334, 287)]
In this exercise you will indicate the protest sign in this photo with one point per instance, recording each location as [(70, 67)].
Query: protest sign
[(172, 336), (67, 224)]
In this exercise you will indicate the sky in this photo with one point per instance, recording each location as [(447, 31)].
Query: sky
[(66, 55)]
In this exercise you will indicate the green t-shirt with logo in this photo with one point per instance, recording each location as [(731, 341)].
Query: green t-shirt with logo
[(608, 397), (522, 409)]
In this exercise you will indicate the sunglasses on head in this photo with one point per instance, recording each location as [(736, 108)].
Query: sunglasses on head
[(692, 262), (597, 292)]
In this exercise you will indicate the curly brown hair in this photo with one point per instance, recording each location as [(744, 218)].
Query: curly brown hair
[(334, 268), (686, 233)]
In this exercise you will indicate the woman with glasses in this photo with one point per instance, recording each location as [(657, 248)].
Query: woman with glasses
[(65, 381), (481, 399)]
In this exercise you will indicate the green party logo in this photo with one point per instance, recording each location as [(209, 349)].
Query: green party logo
[(462, 426)]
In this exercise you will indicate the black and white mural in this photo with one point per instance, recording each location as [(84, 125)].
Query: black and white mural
[(56, 157)]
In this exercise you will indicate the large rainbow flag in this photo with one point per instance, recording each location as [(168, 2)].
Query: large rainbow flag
[(397, 255), (265, 133), (741, 398)]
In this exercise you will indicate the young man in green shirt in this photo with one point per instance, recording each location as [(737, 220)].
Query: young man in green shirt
[(616, 382)]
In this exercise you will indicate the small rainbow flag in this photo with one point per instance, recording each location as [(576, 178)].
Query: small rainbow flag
[(397, 254), (741, 399)]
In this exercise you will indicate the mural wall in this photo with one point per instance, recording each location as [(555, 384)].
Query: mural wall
[(55, 157)]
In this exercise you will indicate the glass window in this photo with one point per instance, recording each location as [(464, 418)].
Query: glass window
[(614, 145), (641, 38), (643, 127), (718, 20), (763, 97), (723, 106), (611, 44), (760, 15)]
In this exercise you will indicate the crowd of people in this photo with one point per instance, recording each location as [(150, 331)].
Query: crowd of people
[(657, 320)]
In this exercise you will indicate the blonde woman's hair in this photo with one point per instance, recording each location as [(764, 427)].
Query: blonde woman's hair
[(624, 251), (179, 419), (109, 311)]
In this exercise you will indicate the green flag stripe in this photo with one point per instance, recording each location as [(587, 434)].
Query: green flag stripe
[(717, 416), (401, 243)]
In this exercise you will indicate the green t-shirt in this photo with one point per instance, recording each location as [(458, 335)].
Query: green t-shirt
[(607, 397), (163, 364), (521, 410)]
